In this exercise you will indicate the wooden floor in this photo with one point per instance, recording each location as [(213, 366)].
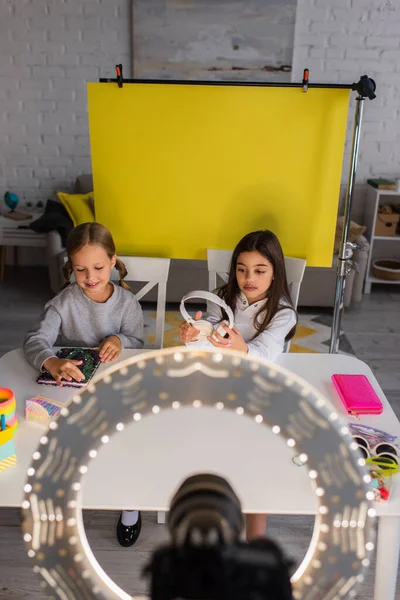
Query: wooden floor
[(125, 565), (373, 331)]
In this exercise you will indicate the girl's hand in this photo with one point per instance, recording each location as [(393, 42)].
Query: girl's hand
[(110, 348), (63, 368), (188, 333), (235, 340)]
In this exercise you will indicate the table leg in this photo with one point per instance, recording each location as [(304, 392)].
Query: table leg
[(3, 252), (161, 517), (387, 558)]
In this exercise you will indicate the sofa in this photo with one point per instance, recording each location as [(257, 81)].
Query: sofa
[(317, 290)]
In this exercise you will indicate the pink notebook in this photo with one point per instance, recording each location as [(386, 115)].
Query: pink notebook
[(357, 395)]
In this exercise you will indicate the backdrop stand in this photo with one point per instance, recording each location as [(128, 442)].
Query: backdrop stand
[(365, 88)]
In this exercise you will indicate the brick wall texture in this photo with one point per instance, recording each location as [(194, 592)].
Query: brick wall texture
[(49, 50)]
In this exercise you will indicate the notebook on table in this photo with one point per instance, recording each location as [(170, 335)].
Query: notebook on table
[(91, 362)]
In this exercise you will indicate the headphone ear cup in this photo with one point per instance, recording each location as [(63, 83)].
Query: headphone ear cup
[(205, 328), (222, 332)]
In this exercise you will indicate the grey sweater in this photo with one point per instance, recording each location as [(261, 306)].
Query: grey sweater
[(72, 319)]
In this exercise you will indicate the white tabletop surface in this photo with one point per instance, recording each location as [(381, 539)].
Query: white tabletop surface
[(142, 466)]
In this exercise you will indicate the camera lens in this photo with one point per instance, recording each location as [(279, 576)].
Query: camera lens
[(205, 511)]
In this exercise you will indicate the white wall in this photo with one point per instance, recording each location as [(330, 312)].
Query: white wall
[(50, 48), (339, 40)]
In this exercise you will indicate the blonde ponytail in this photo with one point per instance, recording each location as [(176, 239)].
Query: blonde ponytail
[(67, 272), (121, 268)]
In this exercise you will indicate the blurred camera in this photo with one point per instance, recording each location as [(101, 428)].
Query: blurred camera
[(205, 559)]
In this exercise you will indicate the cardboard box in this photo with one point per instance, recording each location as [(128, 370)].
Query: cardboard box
[(386, 224)]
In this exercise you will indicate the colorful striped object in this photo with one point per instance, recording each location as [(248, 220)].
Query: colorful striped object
[(42, 410), (8, 406), (8, 462), (7, 449)]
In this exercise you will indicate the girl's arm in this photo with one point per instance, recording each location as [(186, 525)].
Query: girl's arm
[(131, 334), (38, 344), (270, 343)]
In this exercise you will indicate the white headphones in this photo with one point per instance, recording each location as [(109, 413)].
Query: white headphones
[(205, 327)]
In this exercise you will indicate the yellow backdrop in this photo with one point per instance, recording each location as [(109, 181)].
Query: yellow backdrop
[(181, 168)]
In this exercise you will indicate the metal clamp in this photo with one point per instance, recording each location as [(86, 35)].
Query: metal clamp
[(345, 265), (306, 76), (348, 250), (120, 78)]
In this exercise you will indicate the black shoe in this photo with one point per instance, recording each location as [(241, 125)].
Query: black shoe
[(127, 535)]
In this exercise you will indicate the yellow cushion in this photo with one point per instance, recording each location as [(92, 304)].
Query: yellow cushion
[(78, 206)]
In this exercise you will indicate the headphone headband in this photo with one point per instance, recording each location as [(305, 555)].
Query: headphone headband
[(211, 298)]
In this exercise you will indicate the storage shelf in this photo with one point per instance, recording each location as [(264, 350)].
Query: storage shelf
[(372, 279), (378, 249), (385, 192)]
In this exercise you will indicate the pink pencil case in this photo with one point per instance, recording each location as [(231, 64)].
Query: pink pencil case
[(357, 395)]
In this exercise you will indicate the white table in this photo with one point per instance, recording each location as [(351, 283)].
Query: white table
[(12, 235), (166, 448)]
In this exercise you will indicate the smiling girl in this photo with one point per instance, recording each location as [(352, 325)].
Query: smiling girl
[(91, 312)]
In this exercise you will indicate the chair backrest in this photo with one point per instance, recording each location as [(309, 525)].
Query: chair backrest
[(218, 267), (154, 271), (294, 268), (218, 263)]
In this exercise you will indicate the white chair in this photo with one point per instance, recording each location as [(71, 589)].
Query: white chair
[(154, 271), (219, 261)]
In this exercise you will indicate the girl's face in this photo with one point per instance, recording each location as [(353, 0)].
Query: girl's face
[(92, 270), (254, 274)]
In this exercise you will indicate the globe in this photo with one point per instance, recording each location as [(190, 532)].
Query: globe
[(11, 200)]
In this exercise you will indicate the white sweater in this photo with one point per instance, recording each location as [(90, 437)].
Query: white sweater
[(268, 344)]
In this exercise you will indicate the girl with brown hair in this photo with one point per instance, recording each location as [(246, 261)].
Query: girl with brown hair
[(258, 294)]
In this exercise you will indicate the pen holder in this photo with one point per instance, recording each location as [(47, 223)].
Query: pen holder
[(7, 449), (7, 407)]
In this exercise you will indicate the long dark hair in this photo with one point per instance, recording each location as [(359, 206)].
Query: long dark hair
[(266, 243), (97, 235)]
